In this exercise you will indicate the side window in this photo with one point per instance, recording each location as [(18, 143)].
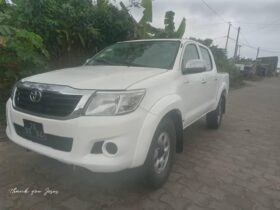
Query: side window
[(207, 58), (191, 53)]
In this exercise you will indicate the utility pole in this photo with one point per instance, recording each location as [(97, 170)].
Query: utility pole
[(239, 50), (258, 53), (236, 44), (229, 26)]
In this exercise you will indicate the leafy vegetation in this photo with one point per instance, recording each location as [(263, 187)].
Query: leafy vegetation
[(148, 31), (21, 53), (41, 35), (38, 35), (72, 30), (169, 30)]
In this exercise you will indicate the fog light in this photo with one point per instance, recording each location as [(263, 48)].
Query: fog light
[(97, 147), (111, 148)]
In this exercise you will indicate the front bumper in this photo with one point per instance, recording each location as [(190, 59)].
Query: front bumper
[(122, 130)]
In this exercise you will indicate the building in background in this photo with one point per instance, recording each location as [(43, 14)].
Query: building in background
[(267, 66)]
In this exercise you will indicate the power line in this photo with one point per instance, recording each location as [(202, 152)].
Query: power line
[(255, 48), (246, 44), (219, 37), (213, 10), (249, 46), (203, 25), (270, 50), (243, 44), (266, 26), (223, 19), (243, 37), (258, 24)]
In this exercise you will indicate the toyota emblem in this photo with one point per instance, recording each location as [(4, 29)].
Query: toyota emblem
[(35, 96)]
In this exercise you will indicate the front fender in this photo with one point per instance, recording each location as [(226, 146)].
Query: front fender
[(155, 115)]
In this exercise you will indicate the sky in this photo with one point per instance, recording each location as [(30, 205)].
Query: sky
[(259, 21)]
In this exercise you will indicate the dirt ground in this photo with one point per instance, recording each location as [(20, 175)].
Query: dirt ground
[(236, 167)]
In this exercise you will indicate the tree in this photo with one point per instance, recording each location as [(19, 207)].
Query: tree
[(70, 30), (22, 53), (73, 30)]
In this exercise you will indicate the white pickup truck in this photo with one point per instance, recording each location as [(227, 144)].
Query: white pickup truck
[(126, 107)]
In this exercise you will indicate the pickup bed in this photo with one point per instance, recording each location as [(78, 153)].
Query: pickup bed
[(126, 107)]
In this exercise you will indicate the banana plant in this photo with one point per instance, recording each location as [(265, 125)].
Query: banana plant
[(145, 27), (146, 18), (181, 30), (148, 11)]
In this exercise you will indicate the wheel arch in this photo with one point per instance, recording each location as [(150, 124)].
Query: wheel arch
[(224, 99), (169, 106), (222, 94), (176, 117)]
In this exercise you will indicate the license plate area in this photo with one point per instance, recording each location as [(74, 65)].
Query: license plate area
[(34, 130)]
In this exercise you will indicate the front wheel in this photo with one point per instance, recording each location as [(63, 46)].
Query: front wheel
[(214, 118), (161, 154)]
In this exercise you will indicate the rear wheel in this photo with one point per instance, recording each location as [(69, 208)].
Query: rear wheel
[(214, 118), (161, 154)]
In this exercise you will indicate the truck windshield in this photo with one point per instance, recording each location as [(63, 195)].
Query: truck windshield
[(154, 54)]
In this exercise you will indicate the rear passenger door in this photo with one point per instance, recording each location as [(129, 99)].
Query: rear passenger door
[(211, 83)]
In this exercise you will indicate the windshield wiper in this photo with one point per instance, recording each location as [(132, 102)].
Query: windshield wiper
[(123, 63), (138, 65), (101, 61)]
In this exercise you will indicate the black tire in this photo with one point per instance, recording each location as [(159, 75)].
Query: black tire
[(157, 171), (214, 118)]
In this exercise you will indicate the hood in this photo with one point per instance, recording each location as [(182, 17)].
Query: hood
[(96, 77)]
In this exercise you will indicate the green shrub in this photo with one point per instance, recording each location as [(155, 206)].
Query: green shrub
[(73, 30), (70, 30), (235, 77), (22, 53)]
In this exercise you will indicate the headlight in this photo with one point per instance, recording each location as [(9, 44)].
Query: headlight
[(109, 103)]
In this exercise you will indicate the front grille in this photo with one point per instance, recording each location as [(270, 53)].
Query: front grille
[(51, 103), (55, 142)]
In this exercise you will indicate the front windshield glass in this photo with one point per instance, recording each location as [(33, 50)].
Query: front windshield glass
[(154, 54)]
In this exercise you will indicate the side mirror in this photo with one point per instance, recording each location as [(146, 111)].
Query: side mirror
[(194, 66)]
